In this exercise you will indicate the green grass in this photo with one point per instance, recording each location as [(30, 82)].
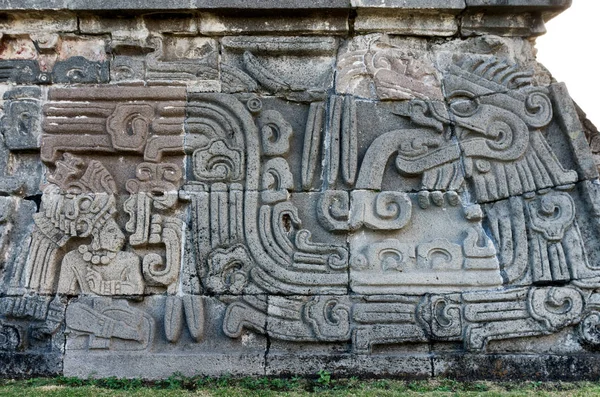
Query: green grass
[(323, 384)]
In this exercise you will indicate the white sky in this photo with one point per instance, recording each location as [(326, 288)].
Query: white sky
[(570, 50)]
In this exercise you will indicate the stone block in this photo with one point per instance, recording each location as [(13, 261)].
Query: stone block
[(514, 50), (93, 48), (79, 70), (22, 71), (517, 367), (170, 60), (147, 338), (520, 4), (38, 22), (307, 363), (153, 5), (22, 118), (409, 23), (521, 25), (329, 22), (130, 28), (571, 130), (27, 365), (31, 335), (20, 125), (176, 23), (396, 250), (456, 5), (284, 4), (522, 232), (128, 68), (282, 75), (16, 224)]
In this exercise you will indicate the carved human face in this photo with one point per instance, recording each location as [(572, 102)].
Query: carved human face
[(111, 237)]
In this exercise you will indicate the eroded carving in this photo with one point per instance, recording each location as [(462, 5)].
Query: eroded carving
[(423, 205), (389, 71), (80, 70)]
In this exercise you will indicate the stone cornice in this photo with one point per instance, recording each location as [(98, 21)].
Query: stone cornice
[(443, 18), (515, 6)]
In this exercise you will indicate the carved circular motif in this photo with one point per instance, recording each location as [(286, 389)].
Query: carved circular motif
[(254, 105), (483, 166)]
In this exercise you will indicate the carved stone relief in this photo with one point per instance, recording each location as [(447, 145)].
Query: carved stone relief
[(216, 204)]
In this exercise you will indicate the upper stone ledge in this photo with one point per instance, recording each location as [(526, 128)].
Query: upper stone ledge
[(421, 5), (142, 5), (548, 8), (552, 6), (522, 4)]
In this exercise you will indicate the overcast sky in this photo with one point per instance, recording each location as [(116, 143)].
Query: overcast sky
[(570, 50)]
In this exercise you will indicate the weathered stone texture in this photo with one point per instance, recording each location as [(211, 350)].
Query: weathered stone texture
[(373, 188)]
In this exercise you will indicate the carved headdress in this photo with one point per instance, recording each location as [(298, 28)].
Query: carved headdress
[(479, 76), (493, 73), (78, 199)]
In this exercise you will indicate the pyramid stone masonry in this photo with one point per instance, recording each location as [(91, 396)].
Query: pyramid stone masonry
[(275, 187)]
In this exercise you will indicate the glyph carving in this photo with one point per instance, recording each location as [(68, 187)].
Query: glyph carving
[(372, 210), (539, 238), (155, 190), (128, 126), (184, 310), (80, 70), (22, 118), (229, 270), (139, 119), (276, 132), (23, 71), (277, 180), (519, 313)]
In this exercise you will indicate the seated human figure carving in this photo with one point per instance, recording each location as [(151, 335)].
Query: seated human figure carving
[(101, 268), (80, 202)]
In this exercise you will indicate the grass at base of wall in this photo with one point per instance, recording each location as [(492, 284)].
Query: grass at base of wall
[(323, 384)]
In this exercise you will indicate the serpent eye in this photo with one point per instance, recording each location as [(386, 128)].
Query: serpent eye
[(464, 105)]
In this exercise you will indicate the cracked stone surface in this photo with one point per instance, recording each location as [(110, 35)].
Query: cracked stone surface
[(261, 188)]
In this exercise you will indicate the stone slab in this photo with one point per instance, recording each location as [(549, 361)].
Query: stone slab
[(525, 4), (457, 5), (160, 366), (406, 22), (513, 367), (36, 22), (28, 365), (179, 5), (284, 4), (156, 338), (510, 24), (312, 22), (411, 366)]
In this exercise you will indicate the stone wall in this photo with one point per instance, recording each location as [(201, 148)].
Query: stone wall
[(382, 188)]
